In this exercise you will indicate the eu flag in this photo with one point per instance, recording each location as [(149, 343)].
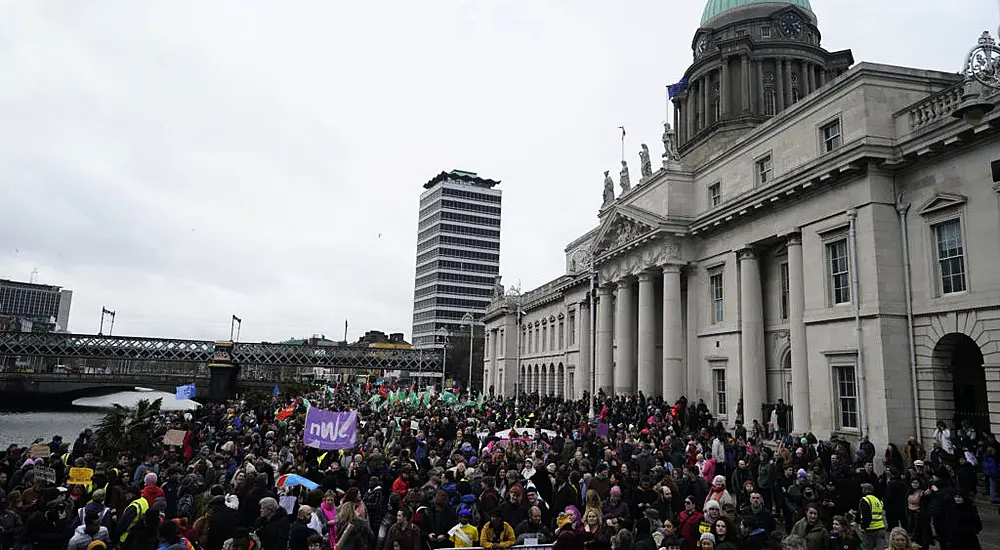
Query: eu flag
[(678, 88), (185, 392)]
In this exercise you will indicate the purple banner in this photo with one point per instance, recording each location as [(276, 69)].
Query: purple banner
[(602, 429), (330, 430)]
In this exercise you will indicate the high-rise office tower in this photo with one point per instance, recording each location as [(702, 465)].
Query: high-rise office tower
[(458, 254)]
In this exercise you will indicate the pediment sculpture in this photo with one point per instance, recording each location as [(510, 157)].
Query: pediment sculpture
[(622, 232)]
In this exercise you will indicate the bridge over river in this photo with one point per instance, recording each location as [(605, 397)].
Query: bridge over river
[(77, 364)]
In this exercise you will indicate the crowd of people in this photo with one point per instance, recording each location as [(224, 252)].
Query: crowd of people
[(645, 474)]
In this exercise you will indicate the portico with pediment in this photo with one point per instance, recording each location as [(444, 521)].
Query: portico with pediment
[(640, 321)]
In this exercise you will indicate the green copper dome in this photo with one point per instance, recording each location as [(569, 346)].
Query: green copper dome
[(716, 7)]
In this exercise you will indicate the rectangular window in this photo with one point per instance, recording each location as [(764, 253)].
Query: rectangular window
[(719, 387), (486, 345), (572, 327), (839, 272), (717, 298), (769, 103), (741, 33), (552, 338), (830, 135), (784, 290), (765, 32), (715, 195), (764, 170), (501, 345), (544, 338), (847, 397), (950, 256), (562, 334)]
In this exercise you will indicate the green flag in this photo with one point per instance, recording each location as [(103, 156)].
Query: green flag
[(448, 397), (306, 402), (479, 401)]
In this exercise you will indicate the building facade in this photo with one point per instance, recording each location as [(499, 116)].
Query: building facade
[(458, 254), (46, 307), (818, 233)]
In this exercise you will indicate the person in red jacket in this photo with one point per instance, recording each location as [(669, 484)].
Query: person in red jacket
[(689, 520), (402, 483)]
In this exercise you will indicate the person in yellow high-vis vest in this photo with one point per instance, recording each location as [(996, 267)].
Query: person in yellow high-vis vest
[(872, 520), (131, 516)]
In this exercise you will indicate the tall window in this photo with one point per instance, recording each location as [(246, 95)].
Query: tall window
[(764, 169), (571, 321), (715, 194), (770, 105), (784, 290), (847, 396), (719, 386), (544, 339), (562, 335), (501, 345), (839, 272), (830, 134), (717, 297), (552, 337), (950, 256), (486, 345), (765, 32)]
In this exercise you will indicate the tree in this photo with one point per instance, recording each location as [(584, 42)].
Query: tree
[(129, 431), (458, 360)]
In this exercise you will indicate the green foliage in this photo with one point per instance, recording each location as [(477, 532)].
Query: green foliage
[(130, 431)]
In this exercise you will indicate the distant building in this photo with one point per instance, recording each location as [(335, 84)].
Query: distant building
[(45, 306), (458, 253)]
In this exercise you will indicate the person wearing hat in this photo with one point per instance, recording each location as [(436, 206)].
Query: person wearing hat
[(497, 534), (706, 541), (872, 520), (464, 535)]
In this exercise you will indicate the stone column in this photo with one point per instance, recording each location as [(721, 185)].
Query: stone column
[(822, 77), (752, 331), (624, 375), (706, 83), (759, 92), (809, 69), (724, 89), (583, 337), (779, 87), (797, 335), (673, 335), (649, 382), (605, 341), (689, 111), (745, 83), (788, 82)]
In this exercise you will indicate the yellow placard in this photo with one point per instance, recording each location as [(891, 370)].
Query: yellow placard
[(80, 476)]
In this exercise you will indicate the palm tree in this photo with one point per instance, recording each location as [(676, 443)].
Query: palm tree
[(129, 431)]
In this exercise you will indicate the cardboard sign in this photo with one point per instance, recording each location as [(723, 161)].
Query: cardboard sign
[(80, 476), (40, 451), (45, 474), (174, 437)]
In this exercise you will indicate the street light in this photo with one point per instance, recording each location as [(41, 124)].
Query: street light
[(514, 301), (982, 74), (444, 334), (105, 312), (468, 318), (236, 324), (585, 258)]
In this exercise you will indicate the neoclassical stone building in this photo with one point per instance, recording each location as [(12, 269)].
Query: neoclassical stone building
[(819, 232)]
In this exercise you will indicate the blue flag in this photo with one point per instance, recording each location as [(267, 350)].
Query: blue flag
[(276, 391), (677, 89), (185, 392)]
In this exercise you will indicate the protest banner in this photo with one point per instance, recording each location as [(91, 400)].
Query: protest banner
[(174, 437), (330, 430)]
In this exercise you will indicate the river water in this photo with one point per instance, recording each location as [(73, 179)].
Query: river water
[(22, 427)]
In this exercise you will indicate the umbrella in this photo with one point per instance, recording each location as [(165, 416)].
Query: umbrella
[(291, 480)]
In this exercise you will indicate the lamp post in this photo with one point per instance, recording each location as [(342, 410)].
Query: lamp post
[(444, 334), (236, 324), (469, 318), (514, 300), (982, 74), (105, 312), (585, 257)]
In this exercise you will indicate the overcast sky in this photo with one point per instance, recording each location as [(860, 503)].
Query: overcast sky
[(183, 161)]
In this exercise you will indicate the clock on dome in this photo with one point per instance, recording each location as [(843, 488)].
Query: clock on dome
[(791, 24), (702, 46)]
